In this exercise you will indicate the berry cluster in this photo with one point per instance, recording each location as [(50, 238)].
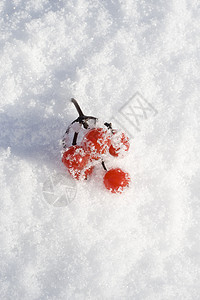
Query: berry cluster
[(97, 143)]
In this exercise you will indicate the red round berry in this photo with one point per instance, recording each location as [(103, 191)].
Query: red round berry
[(119, 144), (77, 162), (96, 142), (116, 180), (75, 157)]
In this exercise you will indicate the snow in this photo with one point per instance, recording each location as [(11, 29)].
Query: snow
[(143, 244)]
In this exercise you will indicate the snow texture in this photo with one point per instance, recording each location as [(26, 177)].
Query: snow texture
[(145, 243)]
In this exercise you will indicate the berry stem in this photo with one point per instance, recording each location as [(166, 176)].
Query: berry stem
[(77, 107), (75, 138), (109, 126), (104, 166), (82, 119)]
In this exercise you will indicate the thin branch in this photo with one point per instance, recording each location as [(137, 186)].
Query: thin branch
[(104, 166), (75, 138), (77, 107)]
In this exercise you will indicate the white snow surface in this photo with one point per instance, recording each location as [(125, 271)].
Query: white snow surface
[(145, 243)]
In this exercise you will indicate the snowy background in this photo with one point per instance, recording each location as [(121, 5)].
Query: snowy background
[(144, 244)]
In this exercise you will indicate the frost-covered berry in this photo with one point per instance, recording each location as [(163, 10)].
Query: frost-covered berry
[(77, 162), (119, 144), (81, 174), (96, 142)]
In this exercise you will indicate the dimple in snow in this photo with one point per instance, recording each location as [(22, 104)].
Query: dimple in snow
[(96, 144)]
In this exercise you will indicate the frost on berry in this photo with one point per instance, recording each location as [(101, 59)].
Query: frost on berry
[(81, 174), (119, 144), (77, 162), (96, 142)]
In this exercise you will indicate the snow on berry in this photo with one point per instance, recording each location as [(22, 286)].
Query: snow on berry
[(96, 142), (119, 144), (77, 162), (75, 157), (81, 174)]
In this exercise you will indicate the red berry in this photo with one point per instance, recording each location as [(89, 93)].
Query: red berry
[(96, 142), (81, 174), (75, 157), (77, 162), (119, 144), (115, 180), (88, 171)]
